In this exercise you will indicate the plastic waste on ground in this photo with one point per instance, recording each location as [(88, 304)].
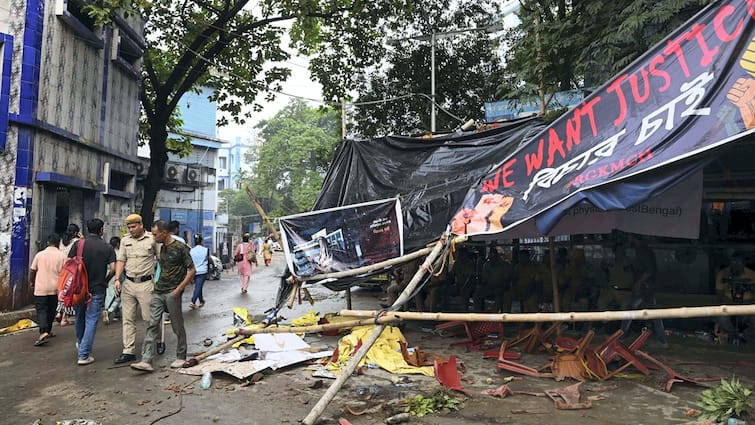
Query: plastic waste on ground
[(206, 381)]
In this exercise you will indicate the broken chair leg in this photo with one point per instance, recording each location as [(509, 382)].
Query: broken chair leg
[(672, 376)]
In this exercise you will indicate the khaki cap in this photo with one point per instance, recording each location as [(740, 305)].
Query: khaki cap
[(133, 218)]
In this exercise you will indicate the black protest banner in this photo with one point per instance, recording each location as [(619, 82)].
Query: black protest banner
[(342, 238), (689, 94)]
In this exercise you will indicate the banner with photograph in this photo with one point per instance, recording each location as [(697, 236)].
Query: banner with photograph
[(342, 238)]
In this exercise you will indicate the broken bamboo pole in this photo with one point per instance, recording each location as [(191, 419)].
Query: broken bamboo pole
[(201, 356), (370, 268), (353, 362), (583, 316), (317, 328)]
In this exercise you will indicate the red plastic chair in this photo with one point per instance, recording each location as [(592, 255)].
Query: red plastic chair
[(478, 333)]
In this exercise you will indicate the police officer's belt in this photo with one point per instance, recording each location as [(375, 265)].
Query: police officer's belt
[(139, 279)]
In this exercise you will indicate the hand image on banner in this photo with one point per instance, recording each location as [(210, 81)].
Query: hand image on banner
[(691, 93)]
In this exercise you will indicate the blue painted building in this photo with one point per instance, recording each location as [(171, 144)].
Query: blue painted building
[(69, 113), (189, 193)]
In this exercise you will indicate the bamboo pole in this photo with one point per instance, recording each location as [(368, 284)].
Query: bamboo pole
[(219, 348), (316, 328), (588, 316), (353, 362), (371, 268)]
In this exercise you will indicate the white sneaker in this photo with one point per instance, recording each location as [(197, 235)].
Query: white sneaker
[(177, 364), (86, 361)]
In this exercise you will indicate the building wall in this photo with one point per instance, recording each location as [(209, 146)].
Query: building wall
[(71, 121), (198, 113)]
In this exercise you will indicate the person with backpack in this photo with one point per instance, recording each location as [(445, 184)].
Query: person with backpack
[(71, 235), (43, 279), (241, 255), (99, 260), (176, 271)]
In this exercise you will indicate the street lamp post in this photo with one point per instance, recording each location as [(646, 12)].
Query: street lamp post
[(432, 82), (433, 37)]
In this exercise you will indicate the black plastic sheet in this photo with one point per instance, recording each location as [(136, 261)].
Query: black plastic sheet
[(431, 176)]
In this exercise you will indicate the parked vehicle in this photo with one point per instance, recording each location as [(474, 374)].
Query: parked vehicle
[(277, 246), (215, 269)]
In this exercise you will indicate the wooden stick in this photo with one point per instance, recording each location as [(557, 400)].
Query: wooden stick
[(219, 348), (588, 316), (316, 328), (353, 362)]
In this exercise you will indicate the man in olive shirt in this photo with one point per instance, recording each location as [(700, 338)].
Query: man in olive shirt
[(135, 259), (176, 271)]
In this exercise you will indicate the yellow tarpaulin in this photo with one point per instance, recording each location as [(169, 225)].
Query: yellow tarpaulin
[(21, 324), (385, 353), (309, 318)]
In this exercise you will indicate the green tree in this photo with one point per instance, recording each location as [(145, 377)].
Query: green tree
[(237, 204), (298, 144), (562, 45), (236, 47), (467, 68)]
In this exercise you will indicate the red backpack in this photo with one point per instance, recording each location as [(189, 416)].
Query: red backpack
[(73, 282)]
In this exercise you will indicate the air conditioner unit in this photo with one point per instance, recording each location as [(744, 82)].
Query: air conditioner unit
[(172, 173), (192, 175)]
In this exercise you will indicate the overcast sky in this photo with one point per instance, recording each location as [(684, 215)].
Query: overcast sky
[(299, 84)]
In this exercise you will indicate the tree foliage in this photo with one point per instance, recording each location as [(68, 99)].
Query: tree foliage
[(237, 47), (563, 45), (467, 67), (298, 144)]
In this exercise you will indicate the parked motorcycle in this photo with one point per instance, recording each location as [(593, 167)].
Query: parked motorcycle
[(216, 268)]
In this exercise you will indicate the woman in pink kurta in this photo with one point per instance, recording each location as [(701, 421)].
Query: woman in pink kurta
[(245, 267)]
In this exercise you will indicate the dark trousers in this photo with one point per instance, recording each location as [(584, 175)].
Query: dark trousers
[(645, 301), (45, 306)]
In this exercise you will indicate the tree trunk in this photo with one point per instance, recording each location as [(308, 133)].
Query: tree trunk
[(158, 158)]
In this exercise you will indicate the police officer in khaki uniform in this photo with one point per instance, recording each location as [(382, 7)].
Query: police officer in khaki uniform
[(135, 259)]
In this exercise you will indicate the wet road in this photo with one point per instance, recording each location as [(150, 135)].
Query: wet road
[(221, 296)]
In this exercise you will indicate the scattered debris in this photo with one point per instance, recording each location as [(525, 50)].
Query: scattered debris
[(567, 398), (448, 376), (398, 419), (500, 392)]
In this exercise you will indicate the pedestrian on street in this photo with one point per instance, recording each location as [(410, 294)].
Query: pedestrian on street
[(267, 251), (99, 260), (240, 258), (43, 279), (176, 271), (643, 288), (201, 257), (175, 231), (136, 261), (71, 235), (112, 298)]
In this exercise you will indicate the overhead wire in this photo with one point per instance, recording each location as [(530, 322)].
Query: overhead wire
[(326, 102)]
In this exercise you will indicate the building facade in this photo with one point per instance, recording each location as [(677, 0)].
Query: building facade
[(69, 120), (189, 193)]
